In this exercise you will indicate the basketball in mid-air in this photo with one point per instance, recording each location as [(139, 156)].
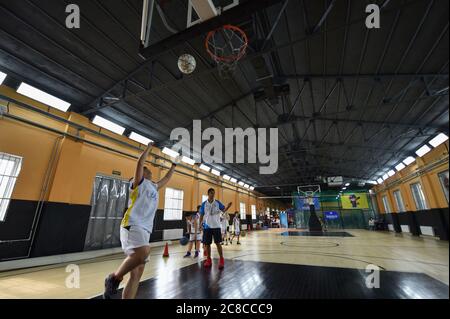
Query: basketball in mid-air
[(187, 63)]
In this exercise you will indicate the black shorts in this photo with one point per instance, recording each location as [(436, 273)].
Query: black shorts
[(210, 233)]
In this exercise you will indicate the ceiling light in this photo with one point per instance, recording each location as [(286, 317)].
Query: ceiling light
[(347, 184), (380, 181), (226, 177), (139, 138), (391, 173), (2, 77), (344, 188), (205, 168), (43, 97), (233, 180), (215, 172), (241, 183), (409, 160), (435, 142), (246, 186), (423, 150), (385, 177), (252, 188), (106, 124), (400, 166), (373, 182), (188, 160), (170, 152)]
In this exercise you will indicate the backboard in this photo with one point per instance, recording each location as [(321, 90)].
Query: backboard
[(164, 18)]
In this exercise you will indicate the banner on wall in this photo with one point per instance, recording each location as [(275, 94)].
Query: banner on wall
[(301, 203), (354, 201)]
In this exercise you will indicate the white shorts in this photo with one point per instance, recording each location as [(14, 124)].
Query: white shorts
[(134, 238), (194, 237), (224, 230)]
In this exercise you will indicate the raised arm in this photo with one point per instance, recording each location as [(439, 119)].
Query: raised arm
[(168, 176), (227, 207), (139, 174)]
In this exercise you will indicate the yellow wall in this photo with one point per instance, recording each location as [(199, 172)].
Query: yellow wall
[(78, 162), (425, 171)]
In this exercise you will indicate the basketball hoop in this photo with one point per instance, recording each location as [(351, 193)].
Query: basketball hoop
[(226, 45)]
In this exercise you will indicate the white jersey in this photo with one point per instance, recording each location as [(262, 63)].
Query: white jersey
[(142, 206), (191, 224), (211, 213), (224, 223), (237, 224)]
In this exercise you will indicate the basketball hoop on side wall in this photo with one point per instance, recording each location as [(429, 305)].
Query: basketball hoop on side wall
[(226, 45)]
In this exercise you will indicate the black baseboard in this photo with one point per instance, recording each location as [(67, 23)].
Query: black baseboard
[(436, 218)]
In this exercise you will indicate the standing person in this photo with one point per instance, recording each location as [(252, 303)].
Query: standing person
[(195, 234), (224, 220), (210, 220), (371, 224), (136, 227), (237, 228)]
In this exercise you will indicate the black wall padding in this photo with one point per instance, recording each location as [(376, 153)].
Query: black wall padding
[(16, 226), (13, 250), (62, 229), (396, 223), (19, 218), (444, 218), (436, 218)]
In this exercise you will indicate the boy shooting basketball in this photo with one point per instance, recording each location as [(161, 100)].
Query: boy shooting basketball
[(136, 227)]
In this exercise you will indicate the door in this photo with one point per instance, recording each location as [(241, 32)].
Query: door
[(109, 201)]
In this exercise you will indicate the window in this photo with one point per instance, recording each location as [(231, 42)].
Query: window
[(253, 211), (399, 201), (387, 206), (204, 198), (443, 178), (242, 211), (9, 170), (419, 197), (173, 204)]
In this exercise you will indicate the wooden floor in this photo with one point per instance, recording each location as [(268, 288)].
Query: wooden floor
[(268, 252)]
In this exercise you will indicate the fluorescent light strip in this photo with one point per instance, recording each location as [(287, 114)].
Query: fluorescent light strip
[(43, 97), (380, 181), (226, 177), (170, 152), (215, 172), (106, 124), (385, 177), (423, 150), (246, 186), (435, 142), (372, 182), (188, 160), (409, 160), (233, 180), (205, 168), (400, 166), (139, 138), (252, 188), (2, 77), (241, 183), (391, 173)]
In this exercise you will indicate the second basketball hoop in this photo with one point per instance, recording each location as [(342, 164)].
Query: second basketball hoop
[(226, 45)]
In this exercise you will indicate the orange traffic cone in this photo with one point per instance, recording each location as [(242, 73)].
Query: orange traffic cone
[(166, 251)]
